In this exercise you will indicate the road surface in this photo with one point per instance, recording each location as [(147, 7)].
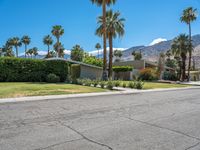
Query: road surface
[(167, 120)]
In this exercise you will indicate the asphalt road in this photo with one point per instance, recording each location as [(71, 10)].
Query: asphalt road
[(147, 121)]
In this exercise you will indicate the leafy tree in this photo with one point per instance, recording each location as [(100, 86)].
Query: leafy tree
[(92, 60), (26, 40), (77, 53), (114, 28), (180, 49), (16, 43), (137, 55), (189, 15), (58, 31), (98, 47), (118, 54), (47, 40), (103, 4)]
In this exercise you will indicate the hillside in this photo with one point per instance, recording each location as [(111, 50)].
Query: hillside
[(152, 52)]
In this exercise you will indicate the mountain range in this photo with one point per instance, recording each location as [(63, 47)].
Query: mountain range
[(152, 52)]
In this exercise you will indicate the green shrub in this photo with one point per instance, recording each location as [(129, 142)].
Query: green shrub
[(139, 85), (170, 76), (75, 72), (117, 83), (31, 70), (87, 82), (131, 84), (102, 84), (52, 78), (110, 85), (148, 74), (122, 69), (95, 83), (124, 85)]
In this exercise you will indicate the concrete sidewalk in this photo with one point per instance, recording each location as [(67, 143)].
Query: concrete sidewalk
[(196, 83), (118, 91)]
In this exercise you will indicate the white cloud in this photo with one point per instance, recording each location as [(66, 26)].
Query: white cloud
[(68, 52), (42, 52), (156, 41)]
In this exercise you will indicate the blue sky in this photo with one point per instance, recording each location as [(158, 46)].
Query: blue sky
[(146, 20)]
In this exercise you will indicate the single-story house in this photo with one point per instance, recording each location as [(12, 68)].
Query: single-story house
[(87, 71), (137, 66)]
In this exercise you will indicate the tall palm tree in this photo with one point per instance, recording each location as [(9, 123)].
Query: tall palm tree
[(47, 40), (58, 31), (30, 52), (114, 28), (98, 47), (103, 3), (179, 47), (16, 43), (189, 15), (26, 40)]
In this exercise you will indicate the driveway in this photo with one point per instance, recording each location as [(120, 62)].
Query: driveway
[(167, 120)]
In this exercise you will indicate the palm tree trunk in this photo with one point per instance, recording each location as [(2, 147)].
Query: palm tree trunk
[(48, 51), (104, 76), (25, 50), (58, 49), (190, 51), (183, 68), (110, 57), (16, 51)]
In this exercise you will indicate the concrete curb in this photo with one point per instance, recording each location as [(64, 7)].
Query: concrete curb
[(120, 91)]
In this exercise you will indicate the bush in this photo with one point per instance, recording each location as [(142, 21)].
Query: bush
[(148, 74), (170, 76), (139, 85), (131, 84), (122, 69), (52, 78), (30, 70), (95, 83), (75, 72), (117, 83), (124, 85), (110, 85), (102, 84)]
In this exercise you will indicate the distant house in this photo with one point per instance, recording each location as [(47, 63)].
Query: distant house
[(137, 66), (87, 71)]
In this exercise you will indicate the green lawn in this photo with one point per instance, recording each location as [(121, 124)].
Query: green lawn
[(13, 89), (152, 85)]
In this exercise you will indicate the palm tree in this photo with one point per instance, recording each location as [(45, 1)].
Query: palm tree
[(189, 15), (7, 50), (16, 43), (47, 40), (35, 51), (26, 40), (58, 31), (98, 47), (103, 3), (59, 48), (179, 47), (114, 28)]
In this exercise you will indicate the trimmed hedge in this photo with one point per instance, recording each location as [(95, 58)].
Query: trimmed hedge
[(122, 68), (30, 70)]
